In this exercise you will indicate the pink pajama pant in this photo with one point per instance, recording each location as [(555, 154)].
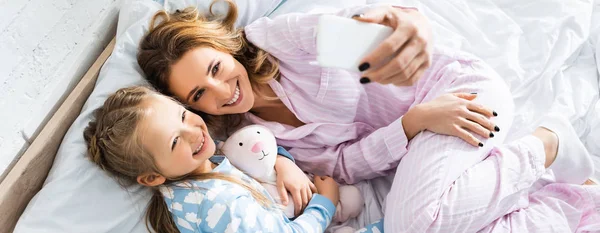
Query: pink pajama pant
[(444, 184)]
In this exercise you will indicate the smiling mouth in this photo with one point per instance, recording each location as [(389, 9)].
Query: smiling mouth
[(264, 155), (236, 98), (200, 147)]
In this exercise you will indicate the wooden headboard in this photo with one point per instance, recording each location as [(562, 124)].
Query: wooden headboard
[(25, 179)]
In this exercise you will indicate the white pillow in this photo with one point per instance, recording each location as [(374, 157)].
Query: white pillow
[(77, 196)]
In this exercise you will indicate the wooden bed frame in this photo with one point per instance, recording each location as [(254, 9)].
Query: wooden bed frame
[(25, 179)]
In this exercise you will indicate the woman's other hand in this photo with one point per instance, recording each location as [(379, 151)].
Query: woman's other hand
[(452, 114)]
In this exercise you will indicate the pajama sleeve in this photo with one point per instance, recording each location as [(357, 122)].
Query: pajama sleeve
[(242, 213), (223, 205), (283, 152)]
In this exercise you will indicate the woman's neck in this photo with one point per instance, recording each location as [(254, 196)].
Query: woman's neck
[(273, 109), (264, 100)]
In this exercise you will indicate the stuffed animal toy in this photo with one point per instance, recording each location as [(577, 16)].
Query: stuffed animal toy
[(253, 150)]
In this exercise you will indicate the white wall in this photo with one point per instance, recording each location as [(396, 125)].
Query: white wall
[(45, 48)]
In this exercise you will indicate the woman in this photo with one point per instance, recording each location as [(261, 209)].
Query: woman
[(338, 124)]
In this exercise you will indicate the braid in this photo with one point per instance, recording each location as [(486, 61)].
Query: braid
[(112, 143), (94, 151), (92, 138)]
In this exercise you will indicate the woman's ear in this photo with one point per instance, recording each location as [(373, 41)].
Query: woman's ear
[(151, 179)]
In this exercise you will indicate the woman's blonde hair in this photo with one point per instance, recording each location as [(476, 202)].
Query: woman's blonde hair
[(168, 40), (114, 145)]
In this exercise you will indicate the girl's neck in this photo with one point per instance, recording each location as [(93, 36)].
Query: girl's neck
[(205, 167)]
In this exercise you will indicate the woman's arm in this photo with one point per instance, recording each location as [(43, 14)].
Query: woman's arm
[(291, 36), (401, 58), (380, 152), (353, 161)]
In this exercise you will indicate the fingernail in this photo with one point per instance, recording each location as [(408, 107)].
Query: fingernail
[(365, 80), (491, 135), (497, 128), (357, 16), (495, 113), (480, 144), (364, 66)]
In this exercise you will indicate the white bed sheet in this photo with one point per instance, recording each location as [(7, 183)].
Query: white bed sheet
[(591, 122), (542, 48)]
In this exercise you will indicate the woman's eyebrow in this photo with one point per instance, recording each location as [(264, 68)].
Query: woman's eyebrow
[(191, 93), (210, 66)]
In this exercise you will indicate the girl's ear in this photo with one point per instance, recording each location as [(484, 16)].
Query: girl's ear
[(151, 179)]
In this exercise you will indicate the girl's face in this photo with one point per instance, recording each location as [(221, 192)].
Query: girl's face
[(211, 81), (177, 139)]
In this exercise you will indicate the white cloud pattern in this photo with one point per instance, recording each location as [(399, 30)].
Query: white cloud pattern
[(214, 214), (305, 225), (317, 215), (212, 193), (251, 214), (192, 217), (184, 224), (269, 223), (233, 225), (167, 192), (194, 198), (177, 206)]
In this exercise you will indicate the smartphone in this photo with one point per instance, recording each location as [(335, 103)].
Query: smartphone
[(344, 42)]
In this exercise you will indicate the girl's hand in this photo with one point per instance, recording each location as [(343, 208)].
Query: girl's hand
[(402, 58), (328, 188), (452, 114), (293, 180)]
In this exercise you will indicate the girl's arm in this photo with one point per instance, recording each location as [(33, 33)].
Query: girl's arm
[(219, 206), (241, 213)]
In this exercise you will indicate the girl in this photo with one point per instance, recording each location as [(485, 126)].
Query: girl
[(144, 137), (338, 124)]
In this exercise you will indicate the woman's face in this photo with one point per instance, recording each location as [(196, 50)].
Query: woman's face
[(177, 139), (211, 81)]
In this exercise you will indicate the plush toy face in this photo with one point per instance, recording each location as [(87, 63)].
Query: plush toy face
[(253, 150)]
